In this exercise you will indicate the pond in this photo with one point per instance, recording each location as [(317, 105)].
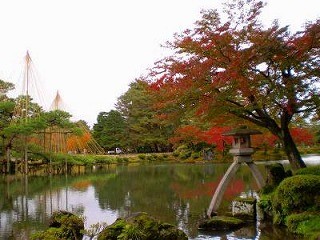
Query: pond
[(174, 193)]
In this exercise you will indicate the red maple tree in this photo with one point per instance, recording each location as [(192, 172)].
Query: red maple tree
[(238, 67), (194, 135)]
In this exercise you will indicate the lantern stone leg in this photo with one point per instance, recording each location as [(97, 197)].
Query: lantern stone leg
[(217, 197), (257, 175)]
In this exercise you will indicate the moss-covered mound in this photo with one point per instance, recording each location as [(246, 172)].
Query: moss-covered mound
[(63, 225), (221, 223), (313, 170), (142, 227), (307, 224), (296, 194)]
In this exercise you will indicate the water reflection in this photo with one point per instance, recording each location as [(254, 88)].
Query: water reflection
[(178, 194)]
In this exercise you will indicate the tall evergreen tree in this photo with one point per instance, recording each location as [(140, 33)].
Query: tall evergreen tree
[(146, 132), (109, 131)]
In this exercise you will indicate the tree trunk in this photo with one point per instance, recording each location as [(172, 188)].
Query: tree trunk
[(8, 155), (291, 150)]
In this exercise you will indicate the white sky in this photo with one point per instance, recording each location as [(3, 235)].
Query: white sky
[(90, 50)]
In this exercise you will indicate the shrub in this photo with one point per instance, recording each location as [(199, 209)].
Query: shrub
[(295, 194), (151, 157), (61, 158), (175, 154), (81, 160), (313, 170), (195, 155), (122, 159), (183, 152), (165, 156), (265, 204), (185, 155), (142, 156), (307, 224), (275, 174), (103, 159), (160, 158)]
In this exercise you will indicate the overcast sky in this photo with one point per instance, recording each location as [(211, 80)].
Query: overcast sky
[(90, 50)]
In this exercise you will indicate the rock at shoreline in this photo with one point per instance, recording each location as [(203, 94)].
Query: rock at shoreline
[(63, 225), (244, 208), (141, 226), (221, 223)]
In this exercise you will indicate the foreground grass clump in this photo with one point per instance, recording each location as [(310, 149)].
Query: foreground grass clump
[(307, 224), (296, 194)]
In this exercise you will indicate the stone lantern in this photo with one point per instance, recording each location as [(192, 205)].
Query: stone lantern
[(241, 144), (241, 151)]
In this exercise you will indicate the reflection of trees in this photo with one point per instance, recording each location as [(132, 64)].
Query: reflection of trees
[(173, 194), (178, 194), (28, 202)]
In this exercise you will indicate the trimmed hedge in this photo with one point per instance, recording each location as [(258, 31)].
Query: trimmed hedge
[(313, 170), (294, 195)]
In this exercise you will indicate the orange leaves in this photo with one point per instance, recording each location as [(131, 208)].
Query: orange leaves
[(265, 139), (214, 136), (194, 135), (302, 136), (189, 134), (78, 143)]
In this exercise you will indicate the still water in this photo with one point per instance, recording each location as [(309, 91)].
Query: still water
[(174, 193)]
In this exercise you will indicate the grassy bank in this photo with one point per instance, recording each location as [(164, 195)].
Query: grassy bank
[(181, 154)]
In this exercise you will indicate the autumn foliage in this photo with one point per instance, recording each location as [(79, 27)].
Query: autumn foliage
[(78, 143), (302, 136), (231, 64), (192, 134), (215, 136)]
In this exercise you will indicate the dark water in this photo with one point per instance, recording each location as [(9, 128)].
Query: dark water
[(174, 193)]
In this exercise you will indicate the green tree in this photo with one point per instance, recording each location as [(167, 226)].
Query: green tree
[(109, 131), (21, 127), (5, 87), (146, 132), (58, 126), (6, 113), (58, 118), (235, 66)]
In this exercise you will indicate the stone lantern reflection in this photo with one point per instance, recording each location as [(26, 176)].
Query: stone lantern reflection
[(241, 151)]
